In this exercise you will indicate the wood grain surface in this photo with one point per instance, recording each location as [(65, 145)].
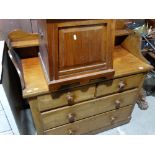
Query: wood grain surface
[(86, 109), (124, 64)]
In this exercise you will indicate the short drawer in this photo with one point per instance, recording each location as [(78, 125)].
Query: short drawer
[(70, 114), (119, 85), (55, 100), (90, 124)]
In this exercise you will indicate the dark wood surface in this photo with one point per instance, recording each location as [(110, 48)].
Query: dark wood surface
[(80, 47), (72, 49)]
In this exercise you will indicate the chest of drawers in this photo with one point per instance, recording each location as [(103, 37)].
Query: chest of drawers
[(84, 109), (89, 107)]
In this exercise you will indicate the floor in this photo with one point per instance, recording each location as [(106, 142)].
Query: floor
[(142, 122), (5, 127)]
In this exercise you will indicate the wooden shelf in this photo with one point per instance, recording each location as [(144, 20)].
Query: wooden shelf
[(23, 44), (123, 32), (35, 82), (21, 39), (124, 63)]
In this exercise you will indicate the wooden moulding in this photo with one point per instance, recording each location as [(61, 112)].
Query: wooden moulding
[(81, 79)]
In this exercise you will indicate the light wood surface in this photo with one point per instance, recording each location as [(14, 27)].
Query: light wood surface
[(97, 101), (59, 99), (133, 44), (121, 28), (94, 132), (94, 122), (123, 32), (36, 115), (34, 78), (20, 39), (86, 109), (113, 86), (21, 44), (124, 64)]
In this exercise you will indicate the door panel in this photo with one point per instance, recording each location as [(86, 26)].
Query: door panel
[(82, 48)]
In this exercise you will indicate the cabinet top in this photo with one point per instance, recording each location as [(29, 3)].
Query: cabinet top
[(76, 22), (124, 64)]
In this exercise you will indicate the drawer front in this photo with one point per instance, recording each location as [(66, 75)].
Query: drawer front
[(55, 100), (86, 109), (119, 85), (94, 123)]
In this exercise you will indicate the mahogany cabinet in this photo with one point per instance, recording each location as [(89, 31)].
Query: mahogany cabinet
[(76, 51)]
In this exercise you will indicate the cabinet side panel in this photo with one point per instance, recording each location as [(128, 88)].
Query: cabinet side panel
[(43, 49), (110, 43)]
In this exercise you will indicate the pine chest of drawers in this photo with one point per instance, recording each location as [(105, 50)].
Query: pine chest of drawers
[(85, 109), (90, 107)]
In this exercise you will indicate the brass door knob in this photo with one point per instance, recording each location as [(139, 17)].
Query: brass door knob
[(71, 132), (121, 85), (70, 98), (71, 117), (117, 104)]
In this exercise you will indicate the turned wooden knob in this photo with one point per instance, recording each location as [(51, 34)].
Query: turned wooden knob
[(70, 99), (71, 132), (121, 85), (71, 117), (117, 104), (113, 118)]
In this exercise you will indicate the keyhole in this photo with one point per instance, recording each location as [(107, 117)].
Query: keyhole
[(74, 37)]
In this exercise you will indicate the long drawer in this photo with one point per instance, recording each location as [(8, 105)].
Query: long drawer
[(119, 85), (55, 100), (93, 123), (70, 114)]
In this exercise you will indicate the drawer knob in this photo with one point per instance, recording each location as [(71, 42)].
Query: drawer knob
[(117, 104), (71, 117), (113, 118), (70, 99), (121, 85), (71, 132)]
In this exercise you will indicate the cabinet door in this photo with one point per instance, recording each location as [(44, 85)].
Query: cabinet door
[(82, 49)]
